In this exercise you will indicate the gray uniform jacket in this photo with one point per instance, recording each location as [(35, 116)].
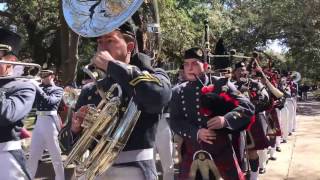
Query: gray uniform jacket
[(48, 99), (16, 100)]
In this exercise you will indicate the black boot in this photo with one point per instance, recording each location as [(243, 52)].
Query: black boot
[(273, 158), (262, 170)]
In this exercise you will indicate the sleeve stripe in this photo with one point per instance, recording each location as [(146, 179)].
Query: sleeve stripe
[(145, 77), (137, 81)]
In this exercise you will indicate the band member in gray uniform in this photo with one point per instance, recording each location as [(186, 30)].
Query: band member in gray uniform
[(202, 133), (150, 89), (45, 133), (16, 99), (256, 135)]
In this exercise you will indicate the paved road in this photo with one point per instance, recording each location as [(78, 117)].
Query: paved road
[(300, 157)]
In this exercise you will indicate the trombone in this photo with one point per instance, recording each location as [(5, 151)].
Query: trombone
[(32, 73)]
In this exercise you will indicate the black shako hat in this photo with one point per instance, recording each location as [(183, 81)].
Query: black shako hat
[(142, 61), (9, 41), (194, 53), (221, 62), (127, 28), (45, 73), (48, 70), (239, 65)]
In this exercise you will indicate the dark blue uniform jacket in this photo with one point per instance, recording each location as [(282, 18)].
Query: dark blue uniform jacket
[(151, 91), (186, 118)]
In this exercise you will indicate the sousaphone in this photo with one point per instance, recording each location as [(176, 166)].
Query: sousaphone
[(94, 18), (90, 18)]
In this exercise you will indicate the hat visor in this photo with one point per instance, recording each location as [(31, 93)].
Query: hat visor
[(4, 47)]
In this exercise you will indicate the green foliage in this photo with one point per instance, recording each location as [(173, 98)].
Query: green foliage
[(37, 22), (244, 24)]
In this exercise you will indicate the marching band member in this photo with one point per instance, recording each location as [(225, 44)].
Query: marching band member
[(284, 112), (294, 94), (203, 135), (150, 89), (273, 115), (45, 133), (291, 103), (257, 141), (16, 99)]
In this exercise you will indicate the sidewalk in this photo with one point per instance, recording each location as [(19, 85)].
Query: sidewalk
[(298, 160), (300, 157)]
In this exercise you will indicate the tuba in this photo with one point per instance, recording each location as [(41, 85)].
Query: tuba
[(296, 76), (105, 125)]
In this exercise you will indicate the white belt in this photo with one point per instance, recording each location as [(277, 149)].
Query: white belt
[(166, 115), (135, 155), (10, 145), (46, 113)]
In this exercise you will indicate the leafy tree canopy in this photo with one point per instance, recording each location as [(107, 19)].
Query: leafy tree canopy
[(243, 24)]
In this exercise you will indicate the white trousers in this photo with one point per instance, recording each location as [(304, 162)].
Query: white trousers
[(263, 157), (45, 136), (164, 147), (10, 168), (278, 141), (254, 175), (119, 173), (284, 122), (291, 114), (273, 149), (294, 126)]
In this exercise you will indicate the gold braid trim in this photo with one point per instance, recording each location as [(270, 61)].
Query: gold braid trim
[(5, 47), (146, 77)]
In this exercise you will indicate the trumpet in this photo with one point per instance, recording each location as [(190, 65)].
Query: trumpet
[(32, 73)]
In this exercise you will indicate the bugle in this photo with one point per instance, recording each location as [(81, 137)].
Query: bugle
[(31, 73), (275, 91)]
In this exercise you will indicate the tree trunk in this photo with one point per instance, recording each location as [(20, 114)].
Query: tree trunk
[(69, 52), (72, 57)]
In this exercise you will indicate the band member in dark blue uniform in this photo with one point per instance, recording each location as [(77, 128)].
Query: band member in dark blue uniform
[(256, 135), (150, 89), (45, 133), (204, 134), (16, 99)]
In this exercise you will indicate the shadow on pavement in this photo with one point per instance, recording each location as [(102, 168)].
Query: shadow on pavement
[(45, 170), (308, 108)]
